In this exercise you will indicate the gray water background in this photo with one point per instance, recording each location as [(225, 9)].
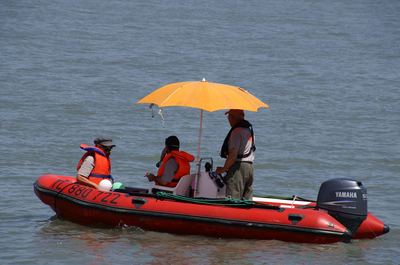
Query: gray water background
[(72, 70)]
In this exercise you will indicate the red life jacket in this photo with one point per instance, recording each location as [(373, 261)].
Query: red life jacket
[(102, 164), (183, 160)]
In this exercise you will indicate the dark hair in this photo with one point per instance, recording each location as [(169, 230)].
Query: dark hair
[(172, 143)]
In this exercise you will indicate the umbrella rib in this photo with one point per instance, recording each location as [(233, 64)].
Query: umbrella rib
[(173, 93)]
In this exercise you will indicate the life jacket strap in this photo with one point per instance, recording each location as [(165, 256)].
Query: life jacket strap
[(93, 175)]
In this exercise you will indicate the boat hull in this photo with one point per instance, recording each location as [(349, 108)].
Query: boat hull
[(87, 206)]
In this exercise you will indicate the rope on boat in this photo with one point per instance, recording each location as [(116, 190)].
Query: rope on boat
[(224, 202)]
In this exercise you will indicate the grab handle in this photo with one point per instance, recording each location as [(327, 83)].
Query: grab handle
[(295, 218)]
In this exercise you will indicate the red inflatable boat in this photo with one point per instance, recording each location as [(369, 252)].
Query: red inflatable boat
[(173, 210)]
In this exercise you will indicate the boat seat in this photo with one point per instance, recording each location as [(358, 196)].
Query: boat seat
[(182, 188)]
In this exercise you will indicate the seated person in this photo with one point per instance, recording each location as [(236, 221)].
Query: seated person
[(173, 164), (95, 164)]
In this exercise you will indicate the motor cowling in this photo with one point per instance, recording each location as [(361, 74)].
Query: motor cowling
[(345, 200)]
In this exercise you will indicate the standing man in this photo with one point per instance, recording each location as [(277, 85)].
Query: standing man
[(238, 149), (95, 164)]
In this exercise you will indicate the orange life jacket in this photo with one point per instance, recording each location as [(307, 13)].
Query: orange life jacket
[(102, 164), (183, 160)]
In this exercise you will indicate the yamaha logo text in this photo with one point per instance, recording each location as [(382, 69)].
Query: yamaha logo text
[(346, 194)]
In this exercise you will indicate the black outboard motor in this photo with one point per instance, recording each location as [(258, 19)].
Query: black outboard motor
[(345, 200)]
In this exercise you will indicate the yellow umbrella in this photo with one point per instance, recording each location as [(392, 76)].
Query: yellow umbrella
[(203, 95)]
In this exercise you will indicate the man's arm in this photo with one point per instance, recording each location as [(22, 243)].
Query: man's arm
[(85, 170), (232, 156), (156, 179), (87, 181)]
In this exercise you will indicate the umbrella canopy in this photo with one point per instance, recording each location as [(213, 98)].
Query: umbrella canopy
[(203, 95)]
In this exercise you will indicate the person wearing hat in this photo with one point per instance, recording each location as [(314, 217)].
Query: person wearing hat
[(238, 150), (173, 164), (95, 164)]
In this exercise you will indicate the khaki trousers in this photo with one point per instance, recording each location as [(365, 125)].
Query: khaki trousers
[(239, 181)]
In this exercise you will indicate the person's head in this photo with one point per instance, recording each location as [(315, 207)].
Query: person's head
[(235, 116), (172, 143), (105, 144)]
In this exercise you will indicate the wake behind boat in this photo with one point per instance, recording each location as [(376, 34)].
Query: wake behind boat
[(339, 214)]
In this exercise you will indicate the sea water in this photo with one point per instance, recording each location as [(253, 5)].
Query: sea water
[(72, 70)]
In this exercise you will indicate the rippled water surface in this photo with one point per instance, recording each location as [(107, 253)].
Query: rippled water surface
[(72, 70)]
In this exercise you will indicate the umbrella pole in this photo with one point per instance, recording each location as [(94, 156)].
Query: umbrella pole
[(198, 154), (200, 132)]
